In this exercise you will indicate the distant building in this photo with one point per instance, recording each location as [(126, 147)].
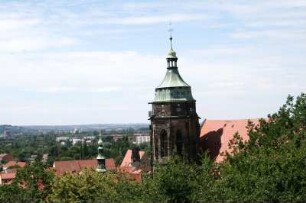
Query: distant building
[(7, 178), (89, 137), (59, 139), (89, 140), (32, 158), (142, 139), (117, 137), (10, 164), (9, 172), (100, 164), (45, 158), (76, 131), (6, 133), (76, 141), (63, 143)]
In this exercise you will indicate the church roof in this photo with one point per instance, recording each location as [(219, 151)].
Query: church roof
[(173, 79), (173, 88), (127, 160), (75, 166), (216, 134)]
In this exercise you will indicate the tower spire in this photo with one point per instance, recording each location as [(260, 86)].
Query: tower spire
[(100, 157), (171, 58), (174, 122), (170, 30)]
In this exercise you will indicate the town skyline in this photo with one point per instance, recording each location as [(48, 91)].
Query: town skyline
[(87, 62)]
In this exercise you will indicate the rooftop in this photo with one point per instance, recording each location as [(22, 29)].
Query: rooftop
[(216, 134), (75, 166), (173, 79), (127, 160), (14, 163)]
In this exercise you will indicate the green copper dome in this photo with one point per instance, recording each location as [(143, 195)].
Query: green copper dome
[(173, 88), (173, 79)]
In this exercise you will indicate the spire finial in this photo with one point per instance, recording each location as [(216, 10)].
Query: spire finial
[(100, 142), (170, 30)]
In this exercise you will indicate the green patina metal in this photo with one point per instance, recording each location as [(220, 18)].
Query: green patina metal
[(100, 158), (173, 94), (173, 88), (173, 79)]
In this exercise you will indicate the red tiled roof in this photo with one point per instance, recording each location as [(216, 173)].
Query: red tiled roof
[(87, 163), (10, 170), (76, 166), (7, 176), (216, 134), (127, 160), (133, 173), (110, 164), (14, 163)]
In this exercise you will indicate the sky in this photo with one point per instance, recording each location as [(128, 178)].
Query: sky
[(94, 61)]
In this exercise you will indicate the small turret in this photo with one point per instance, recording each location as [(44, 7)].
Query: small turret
[(100, 158)]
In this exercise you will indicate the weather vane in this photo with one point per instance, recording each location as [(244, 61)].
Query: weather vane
[(170, 30)]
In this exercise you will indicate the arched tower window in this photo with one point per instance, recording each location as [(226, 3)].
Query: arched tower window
[(163, 143), (179, 142)]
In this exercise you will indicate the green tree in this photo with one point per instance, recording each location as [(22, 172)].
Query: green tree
[(89, 186), (271, 165), (10, 193), (34, 182), (173, 181)]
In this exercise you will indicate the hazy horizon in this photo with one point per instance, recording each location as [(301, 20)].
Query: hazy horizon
[(83, 124)]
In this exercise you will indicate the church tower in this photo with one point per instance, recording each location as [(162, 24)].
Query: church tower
[(175, 125)]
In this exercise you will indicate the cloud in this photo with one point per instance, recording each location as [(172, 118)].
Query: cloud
[(275, 35), (72, 71), (63, 59), (62, 89), (16, 23), (25, 44), (145, 20), (20, 32)]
